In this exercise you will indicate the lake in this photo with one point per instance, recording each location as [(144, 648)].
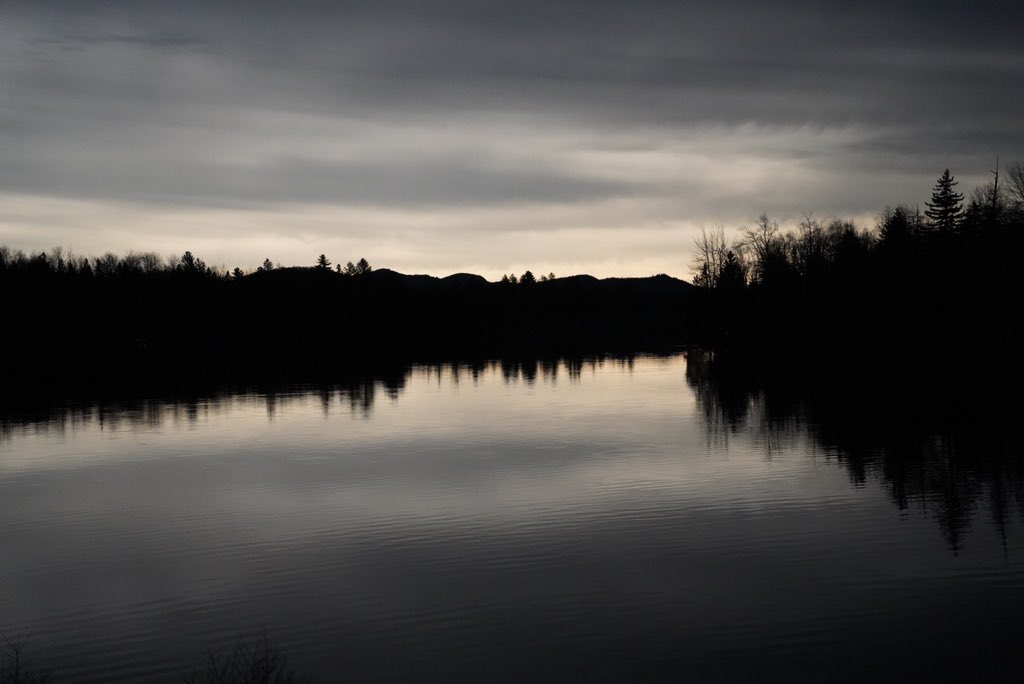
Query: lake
[(587, 519)]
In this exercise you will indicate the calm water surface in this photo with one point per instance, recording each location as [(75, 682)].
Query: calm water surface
[(616, 520)]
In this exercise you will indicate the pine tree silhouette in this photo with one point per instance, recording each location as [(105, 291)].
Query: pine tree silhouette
[(946, 207)]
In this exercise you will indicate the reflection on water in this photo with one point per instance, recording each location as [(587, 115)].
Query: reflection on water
[(952, 471), (598, 519), (354, 394), (952, 468)]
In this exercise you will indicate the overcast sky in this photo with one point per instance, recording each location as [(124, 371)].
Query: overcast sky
[(437, 137)]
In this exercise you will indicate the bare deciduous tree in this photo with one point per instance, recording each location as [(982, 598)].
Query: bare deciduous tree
[(765, 246), (13, 665), (709, 257), (1015, 184)]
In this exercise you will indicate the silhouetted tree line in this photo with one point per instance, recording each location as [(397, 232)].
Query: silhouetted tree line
[(139, 315), (920, 283), (526, 279)]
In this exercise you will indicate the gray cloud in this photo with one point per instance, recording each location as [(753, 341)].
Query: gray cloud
[(456, 105), (297, 180)]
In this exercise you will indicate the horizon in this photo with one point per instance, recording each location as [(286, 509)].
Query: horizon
[(173, 259)]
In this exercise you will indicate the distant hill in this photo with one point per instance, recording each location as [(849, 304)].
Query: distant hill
[(464, 280), (661, 284)]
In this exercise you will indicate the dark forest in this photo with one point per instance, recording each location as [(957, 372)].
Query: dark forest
[(920, 285)]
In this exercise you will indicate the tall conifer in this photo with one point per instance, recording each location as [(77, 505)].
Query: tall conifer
[(946, 207)]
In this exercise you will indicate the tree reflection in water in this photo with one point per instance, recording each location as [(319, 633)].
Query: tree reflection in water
[(944, 450)]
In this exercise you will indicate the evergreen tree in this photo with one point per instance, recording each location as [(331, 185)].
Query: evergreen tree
[(733, 276), (946, 207), (896, 227), (323, 263)]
